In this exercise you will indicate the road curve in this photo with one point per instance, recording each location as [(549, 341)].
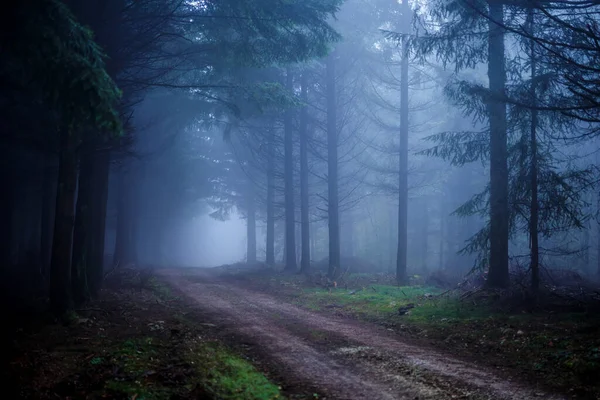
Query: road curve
[(356, 361)]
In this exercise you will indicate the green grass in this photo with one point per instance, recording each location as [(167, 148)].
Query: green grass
[(377, 300), (562, 350), (136, 359), (220, 373), (229, 377)]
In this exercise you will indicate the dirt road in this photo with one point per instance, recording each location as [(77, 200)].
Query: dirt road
[(340, 358)]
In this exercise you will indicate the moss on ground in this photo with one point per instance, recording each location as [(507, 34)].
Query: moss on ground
[(228, 376), (213, 370)]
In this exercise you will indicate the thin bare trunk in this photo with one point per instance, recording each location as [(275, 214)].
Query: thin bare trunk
[(251, 227), (270, 257), (99, 203), (48, 208), (82, 231), (304, 211), (290, 210), (123, 234), (62, 247)]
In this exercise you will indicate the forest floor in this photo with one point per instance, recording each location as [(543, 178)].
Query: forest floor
[(137, 342), (350, 343), (253, 333)]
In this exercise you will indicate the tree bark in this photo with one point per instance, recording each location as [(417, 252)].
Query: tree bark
[(332, 170), (401, 257), (391, 245), (304, 194), (498, 272), (270, 257), (101, 171), (598, 238), (82, 230), (442, 252), (62, 247), (424, 234), (48, 208), (347, 238), (7, 209), (533, 218), (290, 210), (123, 234), (250, 227)]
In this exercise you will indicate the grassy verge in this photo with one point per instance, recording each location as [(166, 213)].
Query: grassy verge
[(560, 349), (227, 376), (207, 370)]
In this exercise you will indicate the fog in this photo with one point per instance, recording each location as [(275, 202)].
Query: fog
[(205, 242), (378, 140), (423, 169), (402, 135)]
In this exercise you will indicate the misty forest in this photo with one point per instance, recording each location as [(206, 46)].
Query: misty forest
[(300, 199)]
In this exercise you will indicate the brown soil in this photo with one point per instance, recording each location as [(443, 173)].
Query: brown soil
[(340, 358), (132, 343)]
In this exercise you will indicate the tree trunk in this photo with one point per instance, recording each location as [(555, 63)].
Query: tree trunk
[(401, 257), (290, 210), (82, 231), (313, 242), (533, 219), (284, 251), (304, 195), (332, 170), (134, 201), (99, 202), (251, 227), (123, 234), (62, 246), (48, 207), (7, 209), (424, 234), (598, 237), (498, 272), (347, 238), (442, 251), (270, 257), (391, 247)]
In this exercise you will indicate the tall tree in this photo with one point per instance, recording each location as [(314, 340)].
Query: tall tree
[(270, 247), (499, 215), (304, 194), (332, 168), (533, 169), (250, 225), (401, 257), (68, 67), (290, 210)]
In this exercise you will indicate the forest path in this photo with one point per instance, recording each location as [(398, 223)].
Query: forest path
[(339, 358)]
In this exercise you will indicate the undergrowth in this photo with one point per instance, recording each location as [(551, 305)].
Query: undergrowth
[(138, 342), (563, 350), (214, 372), (227, 376), (560, 349)]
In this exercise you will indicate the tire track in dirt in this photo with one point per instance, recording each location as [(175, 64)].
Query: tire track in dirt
[(376, 366)]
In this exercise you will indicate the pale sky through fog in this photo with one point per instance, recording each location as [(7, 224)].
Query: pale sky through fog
[(206, 242)]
